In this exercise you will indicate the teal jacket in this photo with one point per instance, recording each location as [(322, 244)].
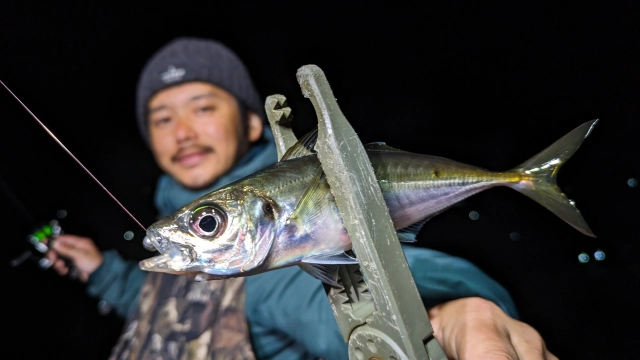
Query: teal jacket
[(287, 310)]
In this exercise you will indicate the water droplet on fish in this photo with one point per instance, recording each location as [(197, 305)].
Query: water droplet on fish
[(474, 215), (599, 255), (632, 182), (583, 258), (514, 236), (128, 235), (61, 214)]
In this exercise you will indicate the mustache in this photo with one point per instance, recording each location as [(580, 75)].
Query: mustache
[(190, 150)]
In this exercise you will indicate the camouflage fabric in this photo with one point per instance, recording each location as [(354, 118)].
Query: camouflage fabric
[(180, 318)]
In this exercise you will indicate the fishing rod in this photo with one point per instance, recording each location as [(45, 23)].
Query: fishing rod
[(146, 243), (72, 156), (41, 237)]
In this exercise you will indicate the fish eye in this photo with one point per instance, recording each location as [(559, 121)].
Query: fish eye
[(206, 221)]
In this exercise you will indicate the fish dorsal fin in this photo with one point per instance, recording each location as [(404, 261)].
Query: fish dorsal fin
[(334, 259), (409, 233), (328, 274), (381, 146), (303, 147), (309, 208)]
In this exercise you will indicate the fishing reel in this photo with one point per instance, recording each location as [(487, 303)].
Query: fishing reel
[(42, 236), (41, 239)]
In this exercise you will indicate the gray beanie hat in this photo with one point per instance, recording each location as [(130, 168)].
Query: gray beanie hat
[(193, 59)]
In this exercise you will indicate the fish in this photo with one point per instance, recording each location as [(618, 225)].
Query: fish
[(285, 215)]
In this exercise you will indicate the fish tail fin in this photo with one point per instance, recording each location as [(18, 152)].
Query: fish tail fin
[(539, 177)]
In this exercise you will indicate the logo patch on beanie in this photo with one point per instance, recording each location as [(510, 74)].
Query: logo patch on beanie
[(172, 74)]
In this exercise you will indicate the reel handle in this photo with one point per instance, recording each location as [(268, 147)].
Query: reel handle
[(42, 239)]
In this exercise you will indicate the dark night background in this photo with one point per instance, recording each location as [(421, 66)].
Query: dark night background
[(487, 85)]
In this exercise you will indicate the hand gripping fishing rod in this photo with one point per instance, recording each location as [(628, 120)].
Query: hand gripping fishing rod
[(381, 319), (40, 238)]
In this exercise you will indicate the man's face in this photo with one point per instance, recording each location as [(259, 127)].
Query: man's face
[(197, 133)]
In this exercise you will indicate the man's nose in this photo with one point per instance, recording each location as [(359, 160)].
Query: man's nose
[(184, 130)]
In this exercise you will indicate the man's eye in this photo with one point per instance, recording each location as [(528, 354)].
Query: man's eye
[(161, 121), (206, 109)]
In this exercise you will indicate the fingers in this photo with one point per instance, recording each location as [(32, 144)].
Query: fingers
[(75, 242), (72, 246), (486, 341), (68, 251), (56, 263), (51, 255), (82, 252), (60, 267), (84, 277), (474, 328), (528, 342), (516, 341)]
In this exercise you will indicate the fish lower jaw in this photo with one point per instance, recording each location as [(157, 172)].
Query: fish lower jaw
[(171, 261)]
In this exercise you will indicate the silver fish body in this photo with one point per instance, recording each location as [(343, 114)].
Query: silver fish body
[(286, 215)]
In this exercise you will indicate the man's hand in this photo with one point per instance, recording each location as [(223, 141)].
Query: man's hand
[(475, 328), (82, 252)]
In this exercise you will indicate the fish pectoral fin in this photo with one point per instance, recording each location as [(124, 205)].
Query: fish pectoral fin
[(334, 259), (325, 267), (328, 274), (303, 147), (309, 208)]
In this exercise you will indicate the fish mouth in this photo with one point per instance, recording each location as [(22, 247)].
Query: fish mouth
[(174, 258)]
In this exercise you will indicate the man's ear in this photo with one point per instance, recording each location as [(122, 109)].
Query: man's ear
[(254, 126)]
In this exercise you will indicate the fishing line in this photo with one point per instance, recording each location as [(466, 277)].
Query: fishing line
[(74, 158)]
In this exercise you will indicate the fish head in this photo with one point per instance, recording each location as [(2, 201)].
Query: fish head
[(226, 233)]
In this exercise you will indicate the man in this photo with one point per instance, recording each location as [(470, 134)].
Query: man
[(202, 118)]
